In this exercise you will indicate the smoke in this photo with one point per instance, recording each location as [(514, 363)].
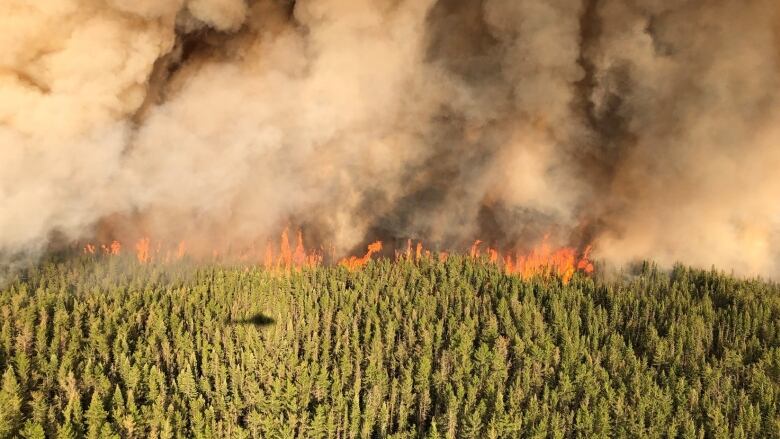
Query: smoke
[(646, 127)]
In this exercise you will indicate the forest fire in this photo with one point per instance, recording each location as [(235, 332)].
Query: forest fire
[(541, 260), (288, 258), (354, 262)]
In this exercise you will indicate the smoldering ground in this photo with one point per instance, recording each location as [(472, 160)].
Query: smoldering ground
[(646, 127)]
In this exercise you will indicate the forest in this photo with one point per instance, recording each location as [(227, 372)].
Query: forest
[(101, 347)]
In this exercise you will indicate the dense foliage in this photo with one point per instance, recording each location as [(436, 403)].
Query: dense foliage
[(109, 348)]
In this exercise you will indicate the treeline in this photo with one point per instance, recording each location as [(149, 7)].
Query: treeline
[(104, 347)]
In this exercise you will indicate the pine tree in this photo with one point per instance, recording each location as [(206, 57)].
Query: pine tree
[(433, 433), (32, 430), (455, 349), (95, 416), (473, 424), (10, 404), (117, 405), (318, 429), (66, 431)]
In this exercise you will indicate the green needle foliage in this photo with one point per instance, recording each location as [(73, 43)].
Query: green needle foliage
[(107, 348)]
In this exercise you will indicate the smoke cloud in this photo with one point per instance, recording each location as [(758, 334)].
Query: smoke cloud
[(648, 128)]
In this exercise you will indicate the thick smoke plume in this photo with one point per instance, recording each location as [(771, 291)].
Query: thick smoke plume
[(646, 127)]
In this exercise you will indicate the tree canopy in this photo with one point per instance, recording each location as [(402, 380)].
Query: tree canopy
[(106, 347)]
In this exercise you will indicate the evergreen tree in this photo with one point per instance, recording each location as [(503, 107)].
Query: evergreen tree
[(10, 404), (415, 348), (95, 416)]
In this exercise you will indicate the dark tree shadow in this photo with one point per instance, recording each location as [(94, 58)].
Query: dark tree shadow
[(258, 319)]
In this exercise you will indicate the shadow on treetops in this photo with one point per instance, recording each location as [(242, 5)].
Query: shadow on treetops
[(258, 319)]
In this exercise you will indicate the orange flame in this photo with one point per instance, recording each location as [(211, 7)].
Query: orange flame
[(542, 260), (474, 253), (269, 256), (353, 262), (509, 266), (284, 248), (288, 258), (299, 253), (584, 264), (181, 250), (142, 250)]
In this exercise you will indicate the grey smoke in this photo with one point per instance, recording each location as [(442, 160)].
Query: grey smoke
[(646, 127)]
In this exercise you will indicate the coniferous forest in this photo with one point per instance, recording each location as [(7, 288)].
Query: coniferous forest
[(109, 348)]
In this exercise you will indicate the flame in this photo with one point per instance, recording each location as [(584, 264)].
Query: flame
[(585, 264), (289, 259), (284, 248), (142, 250), (493, 255), (147, 252), (542, 260), (474, 253), (269, 256), (299, 256), (181, 250), (509, 266), (420, 252), (353, 262)]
